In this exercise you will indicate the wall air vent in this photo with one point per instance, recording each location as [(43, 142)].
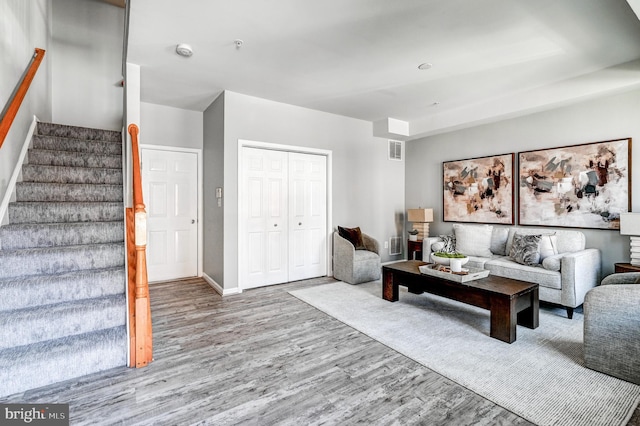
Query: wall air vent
[(395, 150), (395, 246)]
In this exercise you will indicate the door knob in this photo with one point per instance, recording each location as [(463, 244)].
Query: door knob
[(299, 223), (193, 221), (275, 224)]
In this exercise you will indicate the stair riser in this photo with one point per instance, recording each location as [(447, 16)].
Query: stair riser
[(73, 145), (58, 261), (74, 159), (18, 328), (16, 237), (42, 364), (37, 291), (55, 174), (75, 132), (28, 191)]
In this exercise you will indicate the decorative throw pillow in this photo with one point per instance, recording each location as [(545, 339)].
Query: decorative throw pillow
[(553, 263), (548, 246), (524, 249), (473, 240), (449, 243), (353, 235), (499, 238)]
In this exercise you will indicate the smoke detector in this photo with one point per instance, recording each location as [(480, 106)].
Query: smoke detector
[(184, 50)]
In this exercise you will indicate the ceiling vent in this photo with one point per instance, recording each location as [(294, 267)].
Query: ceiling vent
[(395, 150), (395, 246)]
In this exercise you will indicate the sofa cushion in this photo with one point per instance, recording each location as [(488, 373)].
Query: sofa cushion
[(525, 249), (505, 267), (499, 238), (478, 262), (473, 240), (548, 246), (353, 235)]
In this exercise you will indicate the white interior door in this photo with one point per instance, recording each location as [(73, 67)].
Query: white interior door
[(284, 216), (307, 216), (265, 216), (170, 188)]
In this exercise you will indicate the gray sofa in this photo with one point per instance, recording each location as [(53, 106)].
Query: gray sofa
[(356, 266), (612, 327), (564, 278)]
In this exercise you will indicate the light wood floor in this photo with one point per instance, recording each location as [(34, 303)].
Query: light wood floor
[(260, 358)]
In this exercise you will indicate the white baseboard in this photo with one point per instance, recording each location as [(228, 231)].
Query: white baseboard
[(218, 288)]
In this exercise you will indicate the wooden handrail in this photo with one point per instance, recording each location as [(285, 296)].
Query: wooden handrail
[(13, 103), (140, 310)]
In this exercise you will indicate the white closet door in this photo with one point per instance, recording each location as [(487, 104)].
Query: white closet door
[(265, 215), (307, 216), (170, 191)]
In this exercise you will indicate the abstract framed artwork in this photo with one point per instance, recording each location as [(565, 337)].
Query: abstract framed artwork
[(579, 186), (479, 190)]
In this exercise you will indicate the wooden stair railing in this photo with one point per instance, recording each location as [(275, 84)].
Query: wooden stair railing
[(140, 330), (13, 103)]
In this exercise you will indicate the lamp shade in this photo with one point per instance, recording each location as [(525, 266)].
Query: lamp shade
[(420, 215), (630, 223)]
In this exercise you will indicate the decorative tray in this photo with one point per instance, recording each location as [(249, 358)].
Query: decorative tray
[(441, 271)]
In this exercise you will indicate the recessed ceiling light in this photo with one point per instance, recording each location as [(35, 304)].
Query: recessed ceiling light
[(184, 49), (425, 66)]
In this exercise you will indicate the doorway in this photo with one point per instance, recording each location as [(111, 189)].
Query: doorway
[(171, 190)]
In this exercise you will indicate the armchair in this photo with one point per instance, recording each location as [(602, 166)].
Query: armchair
[(356, 266), (612, 327)]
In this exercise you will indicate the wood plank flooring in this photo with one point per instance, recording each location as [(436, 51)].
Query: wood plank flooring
[(262, 358)]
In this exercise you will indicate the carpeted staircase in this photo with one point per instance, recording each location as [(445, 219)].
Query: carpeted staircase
[(62, 261)]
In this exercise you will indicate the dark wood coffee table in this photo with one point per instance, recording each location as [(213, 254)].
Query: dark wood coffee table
[(510, 301)]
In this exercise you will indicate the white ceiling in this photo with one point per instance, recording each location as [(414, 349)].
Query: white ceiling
[(491, 59)]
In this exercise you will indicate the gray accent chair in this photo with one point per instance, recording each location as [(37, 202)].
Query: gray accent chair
[(612, 327), (356, 266)]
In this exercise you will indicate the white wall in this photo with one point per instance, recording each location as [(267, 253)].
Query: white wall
[(168, 126), (87, 66), (602, 119), (24, 25), (368, 189)]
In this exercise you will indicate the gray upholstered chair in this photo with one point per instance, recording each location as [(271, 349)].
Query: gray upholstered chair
[(612, 327), (356, 266)]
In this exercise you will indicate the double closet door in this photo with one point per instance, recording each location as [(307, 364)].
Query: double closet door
[(284, 215)]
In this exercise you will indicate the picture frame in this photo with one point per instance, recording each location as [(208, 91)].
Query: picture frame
[(576, 186), (479, 190)]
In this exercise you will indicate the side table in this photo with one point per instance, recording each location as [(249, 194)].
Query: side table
[(626, 267), (414, 250)]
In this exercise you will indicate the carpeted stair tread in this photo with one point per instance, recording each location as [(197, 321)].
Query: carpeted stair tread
[(42, 212), (32, 191), (38, 290), (32, 366), (64, 174), (76, 145), (33, 235), (78, 132), (74, 159), (32, 325), (58, 260)]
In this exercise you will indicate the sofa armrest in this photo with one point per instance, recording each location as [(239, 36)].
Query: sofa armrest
[(612, 331), (371, 243), (621, 278), (426, 247), (580, 272)]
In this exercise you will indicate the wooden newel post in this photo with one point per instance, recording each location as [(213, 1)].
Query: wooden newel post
[(143, 329)]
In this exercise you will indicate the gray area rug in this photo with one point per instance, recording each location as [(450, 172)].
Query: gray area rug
[(540, 377)]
